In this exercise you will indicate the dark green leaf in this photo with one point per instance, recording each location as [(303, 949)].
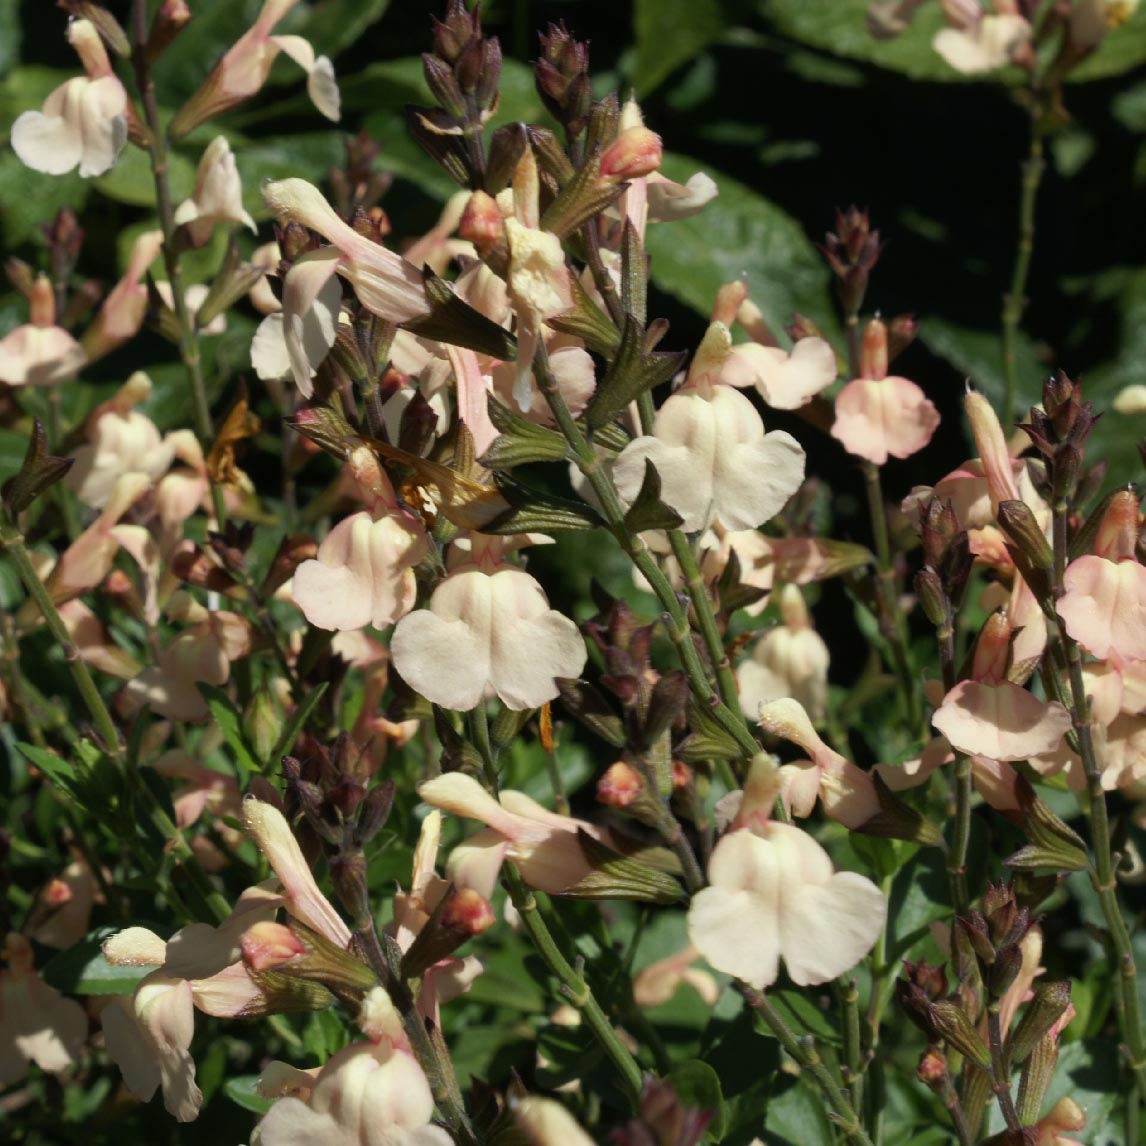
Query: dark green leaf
[(532, 511), (670, 33), (698, 1086), (230, 724), (520, 441), (648, 511), (632, 372), (740, 234), (83, 970)]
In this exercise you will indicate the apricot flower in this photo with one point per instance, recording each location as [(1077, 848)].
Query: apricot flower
[(785, 380), (83, 123), (708, 444), (542, 844), (488, 630), (773, 894), (847, 791), (40, 353), (1104, 607), (218, 195), (1000, 721), (37, 1024), (368, 1094), (978, 41)]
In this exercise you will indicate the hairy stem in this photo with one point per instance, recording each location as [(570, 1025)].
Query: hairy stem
[(1014, 301), (188, 330), (804, 1053)]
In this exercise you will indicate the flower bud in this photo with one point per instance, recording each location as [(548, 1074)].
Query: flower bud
[(950, 1022), (620, 786), (171, 18), (267, 946), (1045, 1009), (901, 332), (634, 153), (932, 599), (461, 914), (992, 649), (1118, 529), (874, 353), (481, 222), (932, 1069), (1018, 522), (298, 952)]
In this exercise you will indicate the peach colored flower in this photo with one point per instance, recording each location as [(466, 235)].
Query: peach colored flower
[(244, 69), (488, 630), (218, 194), (790, 659), (120, 440), (368, 1094), (385, 283), (63, 909), (295, 340), (978, 41), (709, 448), (542, 844), (40, 353), (83, 123), (657, 983), (545, 1122), (785, 380), (1000, 721), (847, 791), (121, 314), (878, 418), (1104, 607), (773, 894), (37, 1024)]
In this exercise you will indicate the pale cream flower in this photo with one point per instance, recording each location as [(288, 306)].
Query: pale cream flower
[(545, 1122), (773, 894), (786, 380), (40, 353), (488, 630), (83, 123), (218, 194), (37, 1024), (982, 42)]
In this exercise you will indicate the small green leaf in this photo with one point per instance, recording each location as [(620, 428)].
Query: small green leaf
[(296, 723), (537, 512), (245, 1093), (698, 1086), (520, 441), (230, 724), (83, 970), (631, 373), (648, 511)]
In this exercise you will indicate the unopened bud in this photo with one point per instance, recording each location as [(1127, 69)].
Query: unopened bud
[(170, 19), (1047, 1005), (267, 946), (951, 1023), (992, 650), (975, 928), (1005, 969), (932, 599), (1118, 529), (874, 354), (901, 332), (1018, 522), (461, 914), (443, 85), (1034, 1081), (633, 154)]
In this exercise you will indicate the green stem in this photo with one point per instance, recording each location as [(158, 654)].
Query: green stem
[(1014, 301), (892, 620), (1000, 1070), (705, 619), (1102, 872), (676, 620), (573, 984), (188, 330), (803, 1052), (847, 993)]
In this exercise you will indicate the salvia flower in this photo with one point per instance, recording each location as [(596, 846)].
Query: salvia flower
[(244, 69), (218, 195), (488, 630), (708, 444), (40, 353), (774, 895), (386, 284), (83, 123), (978, 41), (368, 1094), (37, 1024)]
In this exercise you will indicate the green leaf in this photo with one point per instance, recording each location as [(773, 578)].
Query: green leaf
[(1123, 49), (10, 42), (631, 373), (532, 511), (230, 724), (805, 1016), (739, 234), (670, 33), (296, 723), (841, 29), (244, 1092), (83, 970), (130, 181), (797, 1115), (648, 511), (520, 441), (63, 774), (698, 1086), (31, 199)]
